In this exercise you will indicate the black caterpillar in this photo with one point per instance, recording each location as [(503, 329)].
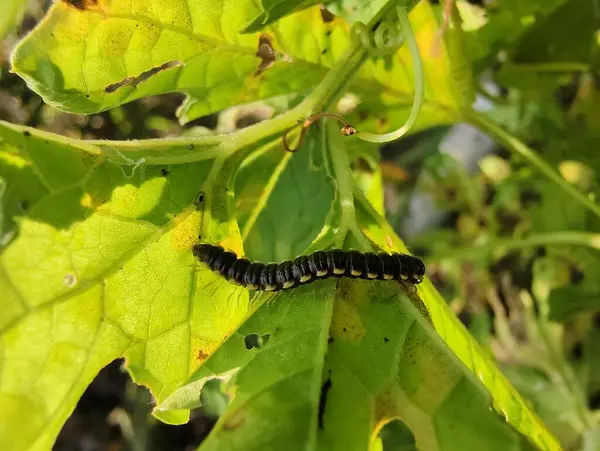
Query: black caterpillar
[(308, 268)]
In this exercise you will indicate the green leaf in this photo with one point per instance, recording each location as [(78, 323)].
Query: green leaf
[(567, 35), (273, 10), (382, 361), (90, 60), (548, 400), (505, 400), (554, 213), (100, 268), (86, 61), (338, 365), (282, 197), (505, 23)]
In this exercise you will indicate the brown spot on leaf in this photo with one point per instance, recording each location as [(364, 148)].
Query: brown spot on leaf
[(135, 81), (389, 241), (266, 53), (202, 356), (326, 15)]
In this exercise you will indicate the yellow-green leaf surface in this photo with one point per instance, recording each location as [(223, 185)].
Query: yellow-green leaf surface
[(272, 10), (344, 358), (447, 78), (504, 398), (114, 51), (100, 267)]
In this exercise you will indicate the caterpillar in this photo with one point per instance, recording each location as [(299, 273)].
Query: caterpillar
[(309, 268)]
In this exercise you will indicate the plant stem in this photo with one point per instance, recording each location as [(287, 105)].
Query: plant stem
[(419, 86), (501, 247), (340, 166), (480, 121)]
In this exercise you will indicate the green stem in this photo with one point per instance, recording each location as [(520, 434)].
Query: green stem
[(480, 121), (342, 173), (499, 248), (419, 85)]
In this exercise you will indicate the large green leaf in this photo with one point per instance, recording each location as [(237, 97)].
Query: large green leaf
[(93, 59), (342, 360), (90, 60), (101, 268), (506, 401), (331, 377)]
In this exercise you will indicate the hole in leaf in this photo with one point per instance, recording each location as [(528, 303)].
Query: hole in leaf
[(397, 435), (256, 341), (577, 351), (70, 280), (326, 15), (199, 198), (595, 401), (214, 399)]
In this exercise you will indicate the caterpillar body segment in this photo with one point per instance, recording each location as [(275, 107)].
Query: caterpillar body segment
[(309, 268)]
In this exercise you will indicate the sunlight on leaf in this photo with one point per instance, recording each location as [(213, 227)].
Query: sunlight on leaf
[(100, 268)]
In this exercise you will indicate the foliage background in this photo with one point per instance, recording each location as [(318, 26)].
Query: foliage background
[(515, 257)]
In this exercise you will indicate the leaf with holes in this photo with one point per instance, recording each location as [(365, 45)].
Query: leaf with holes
[(93, 58), (341, 359), (99, 267)]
